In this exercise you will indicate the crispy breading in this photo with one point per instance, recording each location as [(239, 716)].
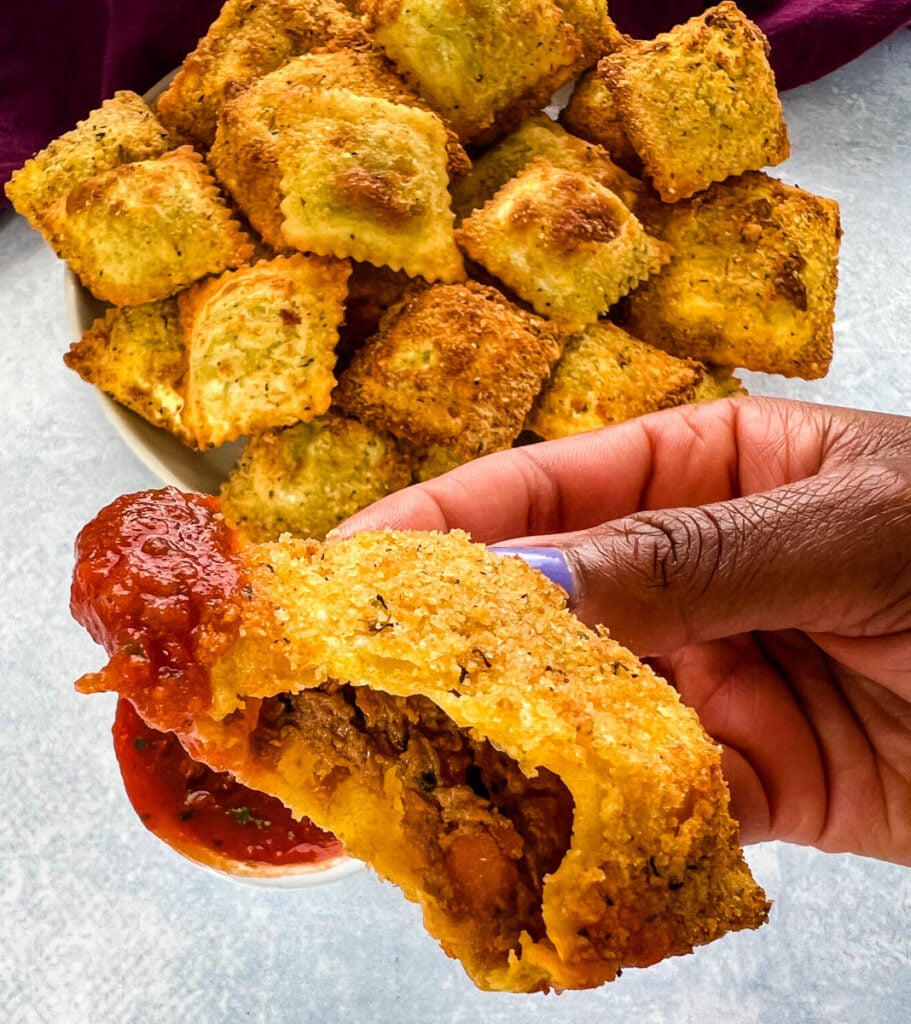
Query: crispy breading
[(595, 29), (753, 282), (480, 66), (137, 356), (591, 113), (699, 103), (261, 346), (244, 155), (121, 130), (452, 365), (549, 802), (605, 376), (539, 136), (248, 39), (562, 242), (306, 479), (366, 178), (145, 230)]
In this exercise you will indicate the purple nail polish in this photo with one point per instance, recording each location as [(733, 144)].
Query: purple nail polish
[(551, 561)]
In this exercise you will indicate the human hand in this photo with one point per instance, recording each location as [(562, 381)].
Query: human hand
[(758, 551)]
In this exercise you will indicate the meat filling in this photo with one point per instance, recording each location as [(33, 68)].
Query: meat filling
[(489, 833)]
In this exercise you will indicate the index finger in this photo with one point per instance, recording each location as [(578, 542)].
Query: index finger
[(686, 456)]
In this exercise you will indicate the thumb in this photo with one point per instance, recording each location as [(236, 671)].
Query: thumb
[(831, 553)]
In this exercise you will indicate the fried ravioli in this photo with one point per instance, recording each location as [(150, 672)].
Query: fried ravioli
[(548, 801), (539, 136), (122, 130), (606, 376), (753, 280), (591, 113), (244, 155), (480, 66), (306, 479), (145, 230), (248, 39), (455, 366), (367, 179), (562, 242), (699, 103), (137, 356), (261, 346)]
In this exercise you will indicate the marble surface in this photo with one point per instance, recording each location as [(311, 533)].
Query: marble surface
[(101, 924)]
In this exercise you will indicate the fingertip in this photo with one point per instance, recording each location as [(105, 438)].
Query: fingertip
[(552, 562)]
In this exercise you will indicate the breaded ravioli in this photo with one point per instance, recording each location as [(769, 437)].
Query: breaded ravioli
[(481, 66), (261, 346), (550, 803), (753, 280), (455, 366), (539, 136), (606, 376), (146, 230), (248, 39), (699, 103), (121, 130), (591, 114), (562, 242), (365, 178), (244, 155), (306, 479), (136, 354)]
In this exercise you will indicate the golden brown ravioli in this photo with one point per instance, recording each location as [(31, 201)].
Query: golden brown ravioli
[(145, 230), (753, 280), (562, 242), (248, 39), (121, 130), (548, 801), (453, 366), (699, 103), (367, 179), (480, 66), (261, 346)]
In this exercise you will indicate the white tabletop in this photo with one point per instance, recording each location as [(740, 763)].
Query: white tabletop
[(102, 924)]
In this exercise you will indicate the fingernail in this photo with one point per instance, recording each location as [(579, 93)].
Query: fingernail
[(550, 561)]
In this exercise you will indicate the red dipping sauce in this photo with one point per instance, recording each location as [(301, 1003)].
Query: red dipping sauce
[(207, 815), (158, 582)]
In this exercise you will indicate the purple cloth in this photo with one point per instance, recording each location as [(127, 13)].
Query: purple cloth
[(59, 59)]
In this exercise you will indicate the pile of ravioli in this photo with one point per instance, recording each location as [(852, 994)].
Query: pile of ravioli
[(363, 237)]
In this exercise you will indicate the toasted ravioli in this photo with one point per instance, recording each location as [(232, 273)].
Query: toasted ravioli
[(539, 136), (137, 356), (371, 291), (562, 242), (550, 803), (595, 29), (753, 281), (480, 66), (605, 376), (306, 479), (145, 230), (699, 103), (122, 130), (248, 39), (261, 346), (244, 155), (591, 114), (453, 365), (366, 178)]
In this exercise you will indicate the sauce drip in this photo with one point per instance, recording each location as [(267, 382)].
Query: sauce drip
[(158, 583), (206, 815)]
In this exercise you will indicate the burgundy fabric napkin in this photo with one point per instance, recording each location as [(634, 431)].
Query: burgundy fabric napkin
[(60, 58)]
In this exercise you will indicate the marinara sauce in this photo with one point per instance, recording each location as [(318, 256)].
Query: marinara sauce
[(158, 582), (204, 814)]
